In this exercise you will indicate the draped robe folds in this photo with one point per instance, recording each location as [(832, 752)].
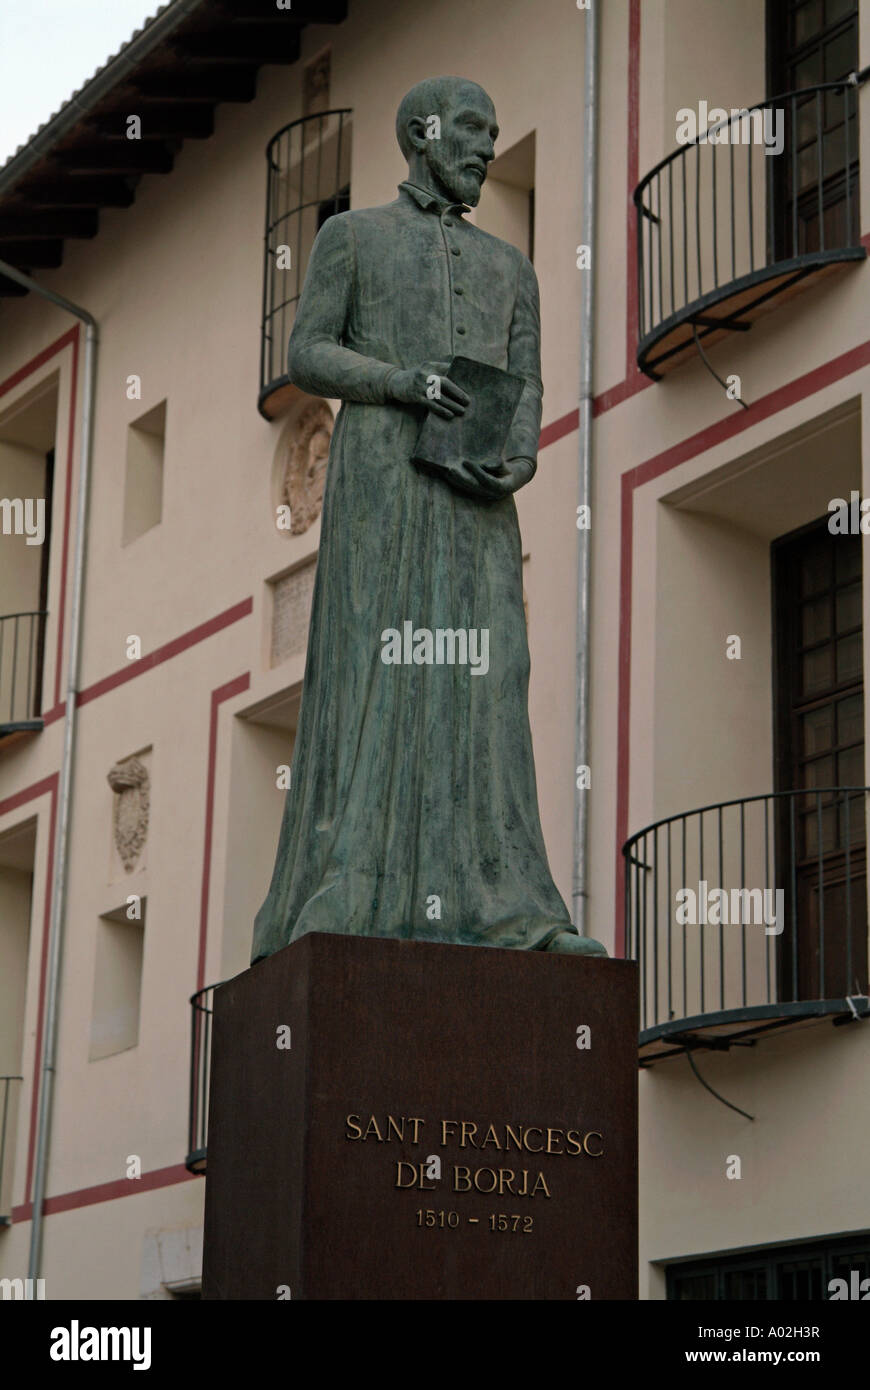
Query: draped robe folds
[(412, 810)]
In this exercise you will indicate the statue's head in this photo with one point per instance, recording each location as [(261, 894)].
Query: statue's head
[(446, 129)]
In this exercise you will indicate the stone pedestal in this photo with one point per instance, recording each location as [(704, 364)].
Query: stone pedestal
[(399, 1120)]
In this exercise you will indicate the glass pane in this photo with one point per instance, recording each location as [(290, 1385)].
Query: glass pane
[(849, 608), (819, 773), (816, 621), (816, 568), (746, 1284), (817, 732), (816, 670), (807, 120), (848, 552), (800, 1283), (841, 54), (838, 9), (807, 21), (849, 658), (835, 112), (852, 814), (850, 719), (850, 767), (835, 152), (810, 826), (697, 1286), (808, 72)]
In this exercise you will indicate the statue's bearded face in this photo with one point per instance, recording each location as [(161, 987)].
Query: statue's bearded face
[(460, 158)]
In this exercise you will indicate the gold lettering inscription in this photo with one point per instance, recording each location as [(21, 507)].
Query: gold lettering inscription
[(593, 1134), (533, 1129), (413, 1175), (468, 1125), (509, 1134), (352, 1121), (444, 1124), (550, 1134), (491, 1138), (487, 1180), (461, 1179)]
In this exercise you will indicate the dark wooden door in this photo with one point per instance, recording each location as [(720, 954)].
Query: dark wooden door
[(819, 733)]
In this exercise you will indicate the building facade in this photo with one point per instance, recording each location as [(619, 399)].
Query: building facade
[(726, 648)]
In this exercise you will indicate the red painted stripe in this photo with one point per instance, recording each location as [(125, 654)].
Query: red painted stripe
[(40, 1003), (623, 391), (623, 699), (166, 652), (46, 786), (633, 178), (67, 508), (223, 692), (733, 424), (52, 715), (107, 1191), (11, 803), (39, 360), (557, 429)]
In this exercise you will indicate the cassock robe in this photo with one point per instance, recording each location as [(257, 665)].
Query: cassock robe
[(412, 810)]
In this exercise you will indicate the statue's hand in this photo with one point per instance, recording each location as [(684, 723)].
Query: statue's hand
[(499, 478), (427, 386)]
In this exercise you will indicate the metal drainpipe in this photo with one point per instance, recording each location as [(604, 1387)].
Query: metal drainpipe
[(58, 888), (580, 891)]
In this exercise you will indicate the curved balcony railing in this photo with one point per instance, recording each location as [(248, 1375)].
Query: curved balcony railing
[(22, 637), (202, 1009), (308, 179), (748, 915), (724, 227)]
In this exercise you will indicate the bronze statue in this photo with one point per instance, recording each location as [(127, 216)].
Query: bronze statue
[(413, 806)]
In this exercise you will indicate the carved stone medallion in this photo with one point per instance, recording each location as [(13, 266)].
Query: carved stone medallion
[(307, 451), (130, 782)]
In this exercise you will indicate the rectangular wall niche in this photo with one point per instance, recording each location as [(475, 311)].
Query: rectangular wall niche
[(507, 202), (117, 983), (292, 596), (143, 484)]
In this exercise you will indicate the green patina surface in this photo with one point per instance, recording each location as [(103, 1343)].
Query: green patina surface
[(413, 808)]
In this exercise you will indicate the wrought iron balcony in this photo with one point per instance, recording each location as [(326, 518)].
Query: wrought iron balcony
[(7, 1099), (22, 639), (308, 180), (749, 916), (725, 228), (200, 1075)]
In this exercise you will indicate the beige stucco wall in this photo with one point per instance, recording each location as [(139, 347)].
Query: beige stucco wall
[(175, 283)]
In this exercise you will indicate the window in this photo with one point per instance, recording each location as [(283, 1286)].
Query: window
[(819, 731), (308, 180), (790, 1274), (811, 42)]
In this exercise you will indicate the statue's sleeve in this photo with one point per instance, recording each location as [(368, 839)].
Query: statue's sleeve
[(524, 359), (316, 360)]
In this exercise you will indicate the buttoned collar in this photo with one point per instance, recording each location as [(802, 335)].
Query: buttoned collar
[(426, 200)]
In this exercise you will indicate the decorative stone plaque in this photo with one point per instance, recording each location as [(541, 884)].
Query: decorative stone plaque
[(291, 611)]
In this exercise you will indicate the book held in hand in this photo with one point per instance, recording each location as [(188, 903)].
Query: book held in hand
[(480, 434)]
